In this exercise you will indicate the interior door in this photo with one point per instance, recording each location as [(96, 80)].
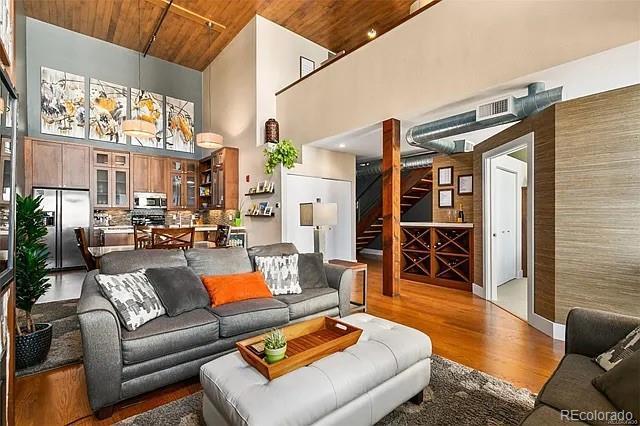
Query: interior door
[(503, 224)]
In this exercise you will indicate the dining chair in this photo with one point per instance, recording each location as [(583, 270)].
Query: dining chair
[(83, 246), (172, 238), (141, 237)]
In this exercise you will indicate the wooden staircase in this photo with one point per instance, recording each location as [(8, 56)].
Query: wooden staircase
[(415, 185)]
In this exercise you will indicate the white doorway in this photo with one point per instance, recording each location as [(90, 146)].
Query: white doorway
[(305, 189), (507, 214)]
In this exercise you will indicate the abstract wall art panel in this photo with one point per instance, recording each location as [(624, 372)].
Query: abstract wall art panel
[(148, 106), (180, 125), (108, 109), (62, 110)]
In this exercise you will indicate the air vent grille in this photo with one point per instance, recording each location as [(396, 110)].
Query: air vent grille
[(496, 108)]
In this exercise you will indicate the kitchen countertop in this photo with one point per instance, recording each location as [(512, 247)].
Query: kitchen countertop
[(124, 229), (438, 224)]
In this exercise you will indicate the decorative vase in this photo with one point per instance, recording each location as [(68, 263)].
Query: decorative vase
[(275, 355), (271, 131), (33, 348), (237, 221)]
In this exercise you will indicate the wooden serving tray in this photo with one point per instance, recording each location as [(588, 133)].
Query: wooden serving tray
[(307, 342)]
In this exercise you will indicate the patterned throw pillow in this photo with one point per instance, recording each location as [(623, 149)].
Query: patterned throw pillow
[(621, 350), (280, 273), (133, 297)]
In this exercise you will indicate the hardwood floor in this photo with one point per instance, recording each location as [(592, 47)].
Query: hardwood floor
[(462, 327)]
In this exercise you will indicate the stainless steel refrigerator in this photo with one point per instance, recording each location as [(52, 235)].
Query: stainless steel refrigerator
[(64, 210)]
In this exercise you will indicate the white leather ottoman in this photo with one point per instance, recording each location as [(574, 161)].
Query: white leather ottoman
[(388, 366)]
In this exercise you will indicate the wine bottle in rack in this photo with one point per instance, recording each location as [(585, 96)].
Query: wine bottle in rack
[(460, 215)]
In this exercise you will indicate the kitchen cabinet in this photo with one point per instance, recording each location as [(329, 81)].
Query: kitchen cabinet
[(57, 165), (111, 158), (148, 174), (182, 184), (76, 167), (46, 158), (110, 183), (218, 180)]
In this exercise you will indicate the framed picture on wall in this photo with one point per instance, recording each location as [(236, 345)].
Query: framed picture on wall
[(465, 184), (445, 198), (445, 176), (307, 66)]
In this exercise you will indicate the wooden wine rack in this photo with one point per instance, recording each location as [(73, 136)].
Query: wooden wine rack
[(438, 255)]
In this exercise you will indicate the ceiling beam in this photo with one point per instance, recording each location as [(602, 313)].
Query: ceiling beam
[(186, 13), (156, 29)]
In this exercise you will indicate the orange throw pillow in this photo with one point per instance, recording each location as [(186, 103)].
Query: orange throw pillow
[(234, 288)]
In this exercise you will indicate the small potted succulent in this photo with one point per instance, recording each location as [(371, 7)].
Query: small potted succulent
[(275, 346)]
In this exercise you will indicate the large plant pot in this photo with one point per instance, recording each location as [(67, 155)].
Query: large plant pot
[(32, 348)]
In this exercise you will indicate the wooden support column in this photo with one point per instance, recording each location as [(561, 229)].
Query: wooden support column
[(391, 207)]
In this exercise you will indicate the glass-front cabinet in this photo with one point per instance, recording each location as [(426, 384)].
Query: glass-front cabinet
[(102, 190), (175, 197), (120, 188), (182, 188), (110, 179)]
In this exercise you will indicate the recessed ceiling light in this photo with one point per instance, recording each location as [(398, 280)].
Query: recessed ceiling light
[(372, 33), (342, 145)]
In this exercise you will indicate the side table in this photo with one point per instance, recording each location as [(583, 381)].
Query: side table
[(356, 267)]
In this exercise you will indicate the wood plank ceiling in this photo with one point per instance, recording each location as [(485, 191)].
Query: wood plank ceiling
[(334, 24)]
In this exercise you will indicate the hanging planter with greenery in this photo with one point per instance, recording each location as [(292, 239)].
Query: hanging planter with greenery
[(284, 153)]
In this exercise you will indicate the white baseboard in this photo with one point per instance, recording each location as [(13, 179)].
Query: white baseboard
[(373, 252), (552, 329), (478, 290)]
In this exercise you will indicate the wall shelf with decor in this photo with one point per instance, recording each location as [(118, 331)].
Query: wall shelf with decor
[(257, 194), (261, 215), (438, 253)]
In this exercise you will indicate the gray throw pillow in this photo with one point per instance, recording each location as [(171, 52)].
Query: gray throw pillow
[(133, 297), (621, 385), (280, 273), (621, 350), (311, 271), (179, 289)]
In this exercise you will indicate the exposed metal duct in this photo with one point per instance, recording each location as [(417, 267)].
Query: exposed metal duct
[(412, 162), (503, 111)]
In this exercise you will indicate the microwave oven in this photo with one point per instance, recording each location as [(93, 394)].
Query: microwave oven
[(149, 200)]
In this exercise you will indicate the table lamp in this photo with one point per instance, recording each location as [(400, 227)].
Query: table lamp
[(319, 215)]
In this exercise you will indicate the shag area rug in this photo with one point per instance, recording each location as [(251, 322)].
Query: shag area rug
[(66, 346), (456, 395)]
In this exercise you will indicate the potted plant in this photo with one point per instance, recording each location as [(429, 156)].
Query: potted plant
[(275, 346), (284, 153), (32, 340)]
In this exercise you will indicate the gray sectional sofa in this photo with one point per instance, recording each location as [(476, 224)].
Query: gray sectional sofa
[(589, 333), (121, 364)]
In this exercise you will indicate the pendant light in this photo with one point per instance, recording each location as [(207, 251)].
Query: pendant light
[(209, 140), (135, 127)]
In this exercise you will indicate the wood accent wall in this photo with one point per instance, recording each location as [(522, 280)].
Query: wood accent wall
[(597, 159), (391, 232), (462, 165), (542, 125), (586, 203)]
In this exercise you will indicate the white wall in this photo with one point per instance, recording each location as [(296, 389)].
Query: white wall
[(305, 189), (278, 52), (320, 163), (260, 60), (449, 53)]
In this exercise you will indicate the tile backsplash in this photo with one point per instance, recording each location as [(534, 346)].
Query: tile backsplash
[(123, 217)]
